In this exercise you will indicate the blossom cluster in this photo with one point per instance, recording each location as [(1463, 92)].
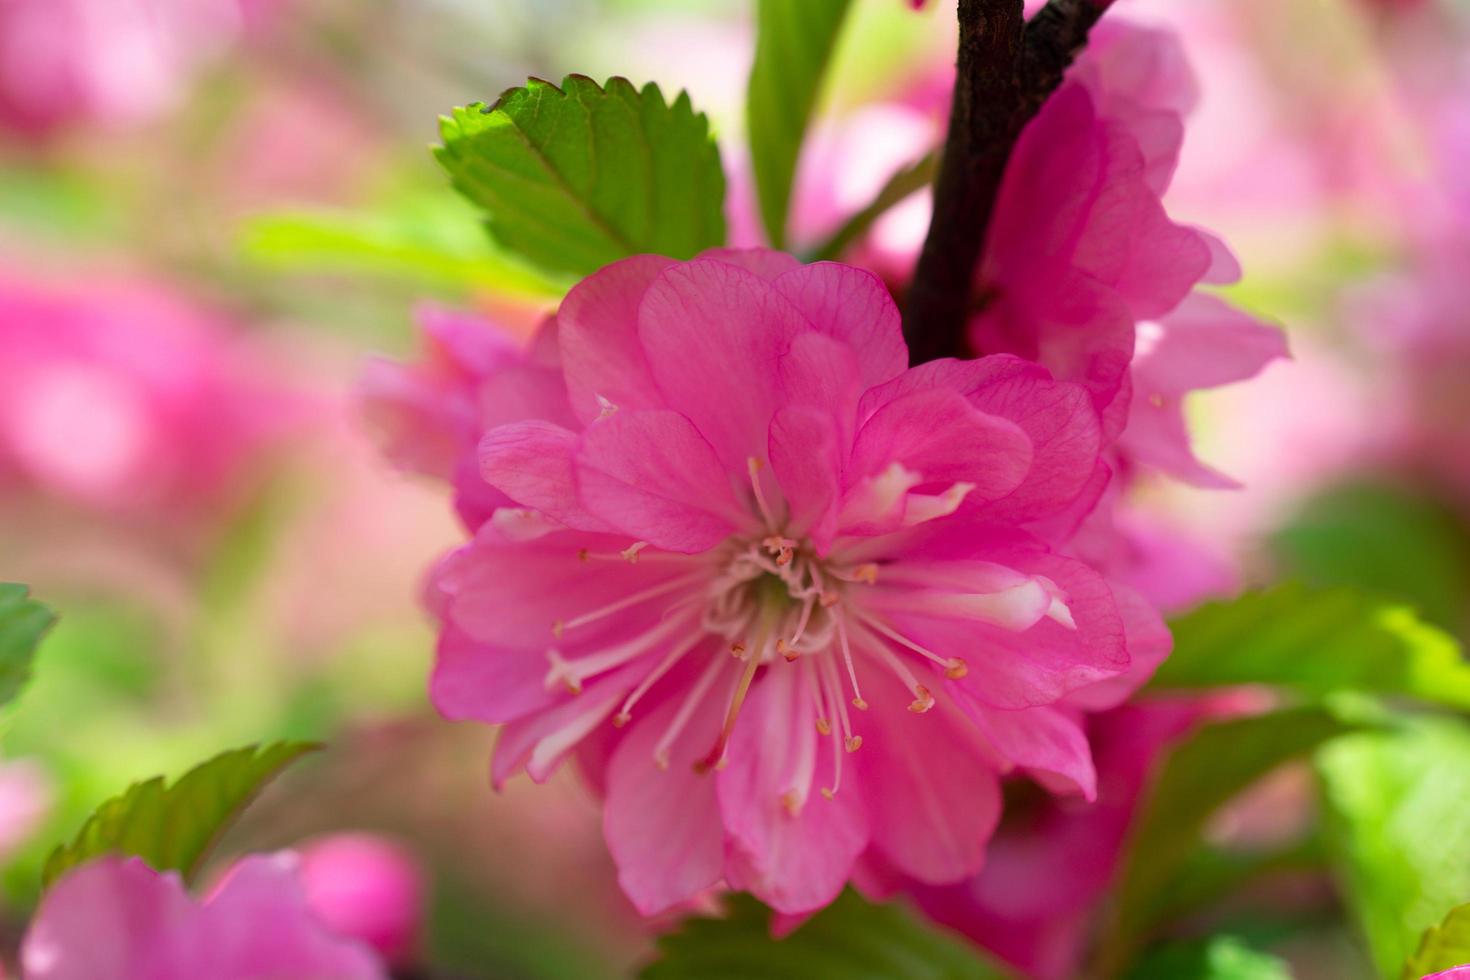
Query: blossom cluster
[(796, 607)]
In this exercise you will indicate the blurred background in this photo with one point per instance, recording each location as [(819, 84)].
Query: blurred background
[(212, 211)]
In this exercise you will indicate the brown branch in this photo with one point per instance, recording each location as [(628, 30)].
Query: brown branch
[(1005, 70)]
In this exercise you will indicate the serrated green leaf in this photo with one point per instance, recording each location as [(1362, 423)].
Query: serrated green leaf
[(851, 938), (1397, 829), (573, 178), (1218, 958), (1203, 772), (23, 621), (794, 42), (173, 827), (1442, 947), (1316, 642)]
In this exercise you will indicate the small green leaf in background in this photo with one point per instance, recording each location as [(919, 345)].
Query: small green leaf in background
[(1202, 773), (23, 621), (1316, 642), (1443, 947), (851, 939), (794, 42), (1397, 827), (1388, 540), (173, 827), (573, 178), (1218, 958)]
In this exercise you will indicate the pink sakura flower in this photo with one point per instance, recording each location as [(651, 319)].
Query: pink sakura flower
[(1453, 973), (118, 919), (1081, 253), (365, 887), (122, 397), (786, 599)]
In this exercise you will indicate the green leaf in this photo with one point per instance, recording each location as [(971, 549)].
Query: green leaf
[(1218, 958), (1203, 772), (23, 621), (173, 827), (1397, 829), (794, 42), (573, 178), (423, 246), (1386, 540), (905, 182), (1316, 642), (851, 939), (1442, 947)]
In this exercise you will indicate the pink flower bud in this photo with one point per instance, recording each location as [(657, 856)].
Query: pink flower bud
[(364, 887)]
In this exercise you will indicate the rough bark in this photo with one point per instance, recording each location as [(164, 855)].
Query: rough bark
[(1005, 70)]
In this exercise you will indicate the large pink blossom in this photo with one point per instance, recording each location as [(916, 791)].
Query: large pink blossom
[(123, 397), (787, 599), (1085, 272), (118, 919)]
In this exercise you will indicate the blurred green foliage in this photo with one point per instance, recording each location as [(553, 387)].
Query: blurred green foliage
[(851, 938)]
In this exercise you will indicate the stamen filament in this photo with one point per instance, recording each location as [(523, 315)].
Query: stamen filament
[(624, 714), (857, 694), (686, 711), (754, 466), (923, 698), (652, 592), (716, 755), (574, 672)]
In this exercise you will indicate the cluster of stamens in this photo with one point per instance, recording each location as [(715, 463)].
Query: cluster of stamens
[(767, 598)]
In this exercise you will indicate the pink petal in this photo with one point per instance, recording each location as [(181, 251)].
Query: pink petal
[(654, 476), (1149, 642), (1205, 343), (532, 464), (540, 742), (716, 337), (113, 917), (932, 792), (512, 593), (804, 458), (853, 306), (262, 896), (945, 439), (1057, 417), (480, 681), (663, 825), (764, 262), (597, 327), (1047, 740), (1011, 668), (793, 861)]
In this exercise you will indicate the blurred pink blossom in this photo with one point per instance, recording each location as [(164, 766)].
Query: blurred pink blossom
[(25, 799), (1453, 973), (118, 919), (125, 398), (112, 62), (1084, 270), (746, 466), (364, 887)]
